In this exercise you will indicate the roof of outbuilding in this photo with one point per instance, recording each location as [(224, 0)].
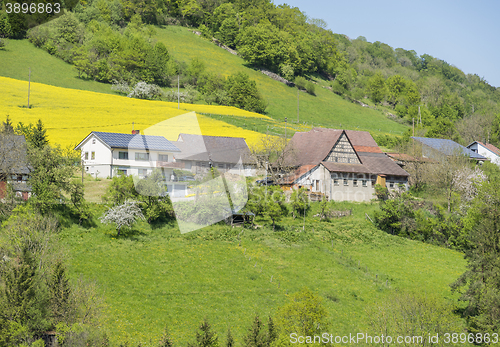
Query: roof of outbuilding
[(448, 147), (488, 146), (13, 154), (312, 147), (145, 142), (218, 149)]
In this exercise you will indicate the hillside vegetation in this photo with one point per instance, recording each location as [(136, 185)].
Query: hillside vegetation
[(155, 277)]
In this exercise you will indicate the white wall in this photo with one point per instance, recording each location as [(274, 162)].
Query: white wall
[(107, 161), (485, 152)]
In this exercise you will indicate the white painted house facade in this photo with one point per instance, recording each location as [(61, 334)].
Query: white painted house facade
[(110, 154), (486, 150)]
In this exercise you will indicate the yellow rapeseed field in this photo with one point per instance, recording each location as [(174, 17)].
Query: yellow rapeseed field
[(69, 114)]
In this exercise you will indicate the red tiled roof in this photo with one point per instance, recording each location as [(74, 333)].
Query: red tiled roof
[(312, 147), (490, 147)]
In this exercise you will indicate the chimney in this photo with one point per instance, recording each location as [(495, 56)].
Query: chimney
[(136, 132)]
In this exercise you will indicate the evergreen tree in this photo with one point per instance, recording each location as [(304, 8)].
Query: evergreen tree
[(229, 339), (60, 291), (207, 338), (166, 339), (272, 333), (39, 136), (24, 295), (7, 126), (481, 280), (255, 337)]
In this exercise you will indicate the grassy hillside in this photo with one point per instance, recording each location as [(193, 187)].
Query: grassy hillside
[(324, 109), (151, 277)]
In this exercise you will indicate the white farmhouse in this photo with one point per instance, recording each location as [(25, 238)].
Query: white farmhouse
[(110, 154), (486, 150)]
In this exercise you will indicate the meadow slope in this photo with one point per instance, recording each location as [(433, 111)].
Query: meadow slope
[(152, 277)]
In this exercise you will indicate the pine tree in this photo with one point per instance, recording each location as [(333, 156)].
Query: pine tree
[(25, 299), (166, 339), (60, 291), (39, 136), (229, 339), (207, 338), (7, 126), (255, 336), (272, 333)]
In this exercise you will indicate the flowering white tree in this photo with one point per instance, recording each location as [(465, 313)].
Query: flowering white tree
[(143, 90), (466, 181), (122, 215)]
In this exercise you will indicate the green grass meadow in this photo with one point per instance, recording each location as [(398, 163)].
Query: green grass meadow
[(154, 276), (325, 109)]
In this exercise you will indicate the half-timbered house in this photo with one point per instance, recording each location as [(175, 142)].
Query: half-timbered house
[(341, 165)]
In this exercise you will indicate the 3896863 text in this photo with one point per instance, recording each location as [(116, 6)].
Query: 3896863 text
[(33, 8)]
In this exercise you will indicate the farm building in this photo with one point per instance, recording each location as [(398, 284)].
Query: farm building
[(341, 164), (14, 167), (198, 152), (436, 148), (486, 150)]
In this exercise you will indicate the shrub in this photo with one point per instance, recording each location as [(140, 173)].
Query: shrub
[(121, 87), (286, 71), (205, 32), (311, 88), (300, 82), (143, 90)]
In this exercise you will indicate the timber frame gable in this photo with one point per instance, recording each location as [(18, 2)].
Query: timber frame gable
[(343, 152)]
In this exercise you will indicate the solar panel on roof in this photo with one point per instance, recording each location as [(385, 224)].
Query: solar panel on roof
[(448, 147), (136, 141)]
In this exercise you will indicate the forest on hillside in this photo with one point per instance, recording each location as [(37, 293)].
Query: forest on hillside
[(112, 40)]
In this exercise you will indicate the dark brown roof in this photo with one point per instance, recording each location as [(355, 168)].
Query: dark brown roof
[(381, 164), (218, 149), (312, 147)]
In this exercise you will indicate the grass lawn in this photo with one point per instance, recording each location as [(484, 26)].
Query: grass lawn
[(154, 276)]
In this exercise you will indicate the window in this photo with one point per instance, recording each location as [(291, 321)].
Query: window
[(355, 183), (86, 155), (86, 168), (162, 157), (143, 172), (123, 155), (346, 182), (142, 156), (365, 183), (221, 166), (122, 172), (93, 141), (391, 184), (335, 182), (92, 156)]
